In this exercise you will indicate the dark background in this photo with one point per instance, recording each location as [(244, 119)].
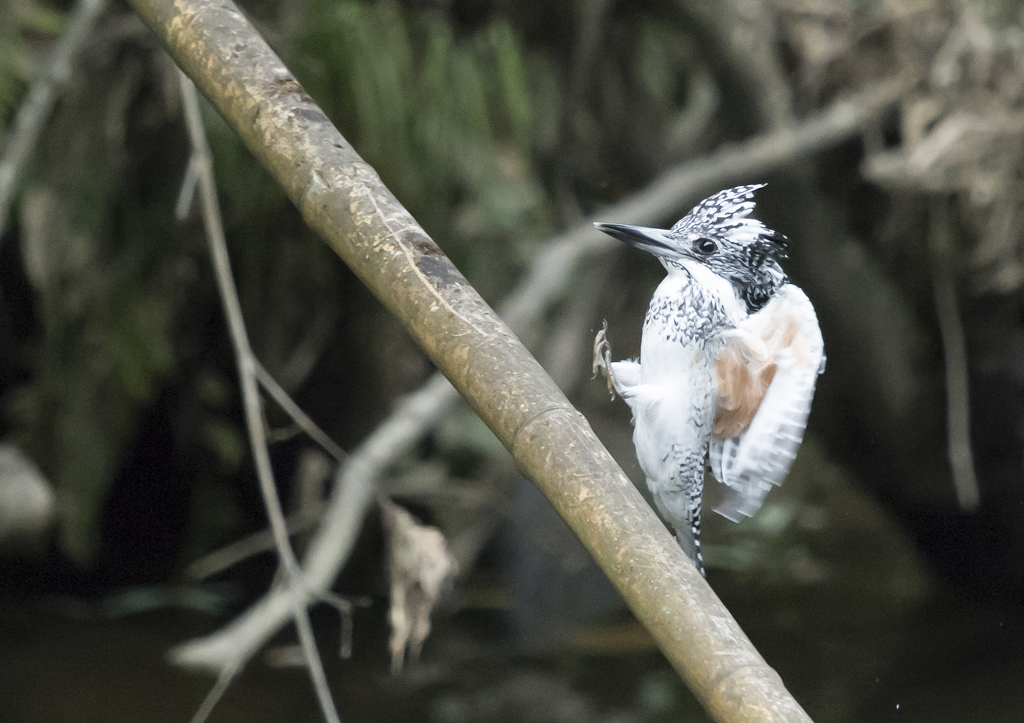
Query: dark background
[(863, 581)]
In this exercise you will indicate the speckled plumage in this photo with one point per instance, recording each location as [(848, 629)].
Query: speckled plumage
[(724, 290)]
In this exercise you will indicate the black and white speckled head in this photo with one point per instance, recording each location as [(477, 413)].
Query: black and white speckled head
[(719, 234)]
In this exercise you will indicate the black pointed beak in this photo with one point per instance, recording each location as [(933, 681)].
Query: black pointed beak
[(652, 240)]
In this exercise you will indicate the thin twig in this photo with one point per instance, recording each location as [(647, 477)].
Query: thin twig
[(265, 378), (227, 674), (545, 282), (951, 330), (247, 372), (297, 522), (232, 554), (294, 411), (187, 194), (36, 109)]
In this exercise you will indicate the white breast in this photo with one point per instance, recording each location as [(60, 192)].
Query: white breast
[(665, 358), (675, 402)]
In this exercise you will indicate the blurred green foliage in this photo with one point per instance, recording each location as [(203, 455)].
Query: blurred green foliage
[(96, 255)]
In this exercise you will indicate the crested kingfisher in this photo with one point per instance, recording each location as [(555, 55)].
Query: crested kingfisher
[(729, 357)]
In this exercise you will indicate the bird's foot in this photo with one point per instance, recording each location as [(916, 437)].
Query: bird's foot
[(603, 358)]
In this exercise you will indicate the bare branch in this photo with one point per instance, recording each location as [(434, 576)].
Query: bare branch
[(232, 554), (671, 192), (958, 403), (35, 110), (294, 411), (247, 372), (355, 488), (308, 481), (227, 674)]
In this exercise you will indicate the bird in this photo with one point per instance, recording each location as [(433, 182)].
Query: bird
[(730, 354)]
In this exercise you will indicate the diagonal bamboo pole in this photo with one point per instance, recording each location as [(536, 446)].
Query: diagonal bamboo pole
[(343, 199)]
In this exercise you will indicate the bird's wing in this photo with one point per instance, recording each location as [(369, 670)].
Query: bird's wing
[(755, 440)]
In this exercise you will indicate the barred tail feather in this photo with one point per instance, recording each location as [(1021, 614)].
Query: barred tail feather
[(689, 540)]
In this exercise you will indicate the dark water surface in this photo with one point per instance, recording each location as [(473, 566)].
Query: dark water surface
[(947, 659)]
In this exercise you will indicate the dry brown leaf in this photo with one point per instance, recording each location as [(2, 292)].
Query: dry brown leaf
[(419, 565)]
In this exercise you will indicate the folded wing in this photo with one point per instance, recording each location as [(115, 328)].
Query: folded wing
[(766, 378)]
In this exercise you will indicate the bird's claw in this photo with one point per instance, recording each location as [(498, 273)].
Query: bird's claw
[(603, 357), (600, 345)]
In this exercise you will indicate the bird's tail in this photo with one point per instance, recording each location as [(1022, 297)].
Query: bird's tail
[(689, 540)]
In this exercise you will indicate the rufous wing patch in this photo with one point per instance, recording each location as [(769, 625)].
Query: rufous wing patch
[(743, 377), (742, 384)]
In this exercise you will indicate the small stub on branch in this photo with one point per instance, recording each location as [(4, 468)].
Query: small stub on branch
[(419, 565)]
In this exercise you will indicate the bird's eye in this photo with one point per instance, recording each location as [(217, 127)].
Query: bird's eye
[(705, 246)]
